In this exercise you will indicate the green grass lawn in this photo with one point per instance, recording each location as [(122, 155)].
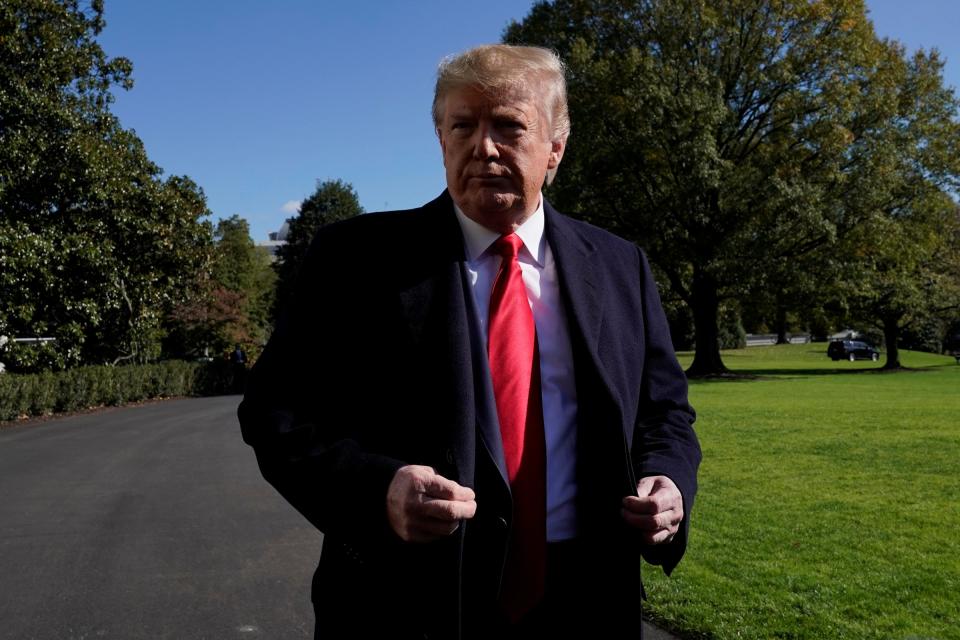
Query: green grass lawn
[(829, 503)]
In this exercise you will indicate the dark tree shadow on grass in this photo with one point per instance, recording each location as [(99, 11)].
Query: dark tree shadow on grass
[(746, 375)]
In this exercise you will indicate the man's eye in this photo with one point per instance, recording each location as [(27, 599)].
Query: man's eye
[(511, 125)]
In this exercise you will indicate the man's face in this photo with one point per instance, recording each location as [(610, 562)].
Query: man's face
[(496, 151)]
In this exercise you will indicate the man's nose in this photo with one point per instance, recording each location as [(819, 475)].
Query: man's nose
[(485, 147)]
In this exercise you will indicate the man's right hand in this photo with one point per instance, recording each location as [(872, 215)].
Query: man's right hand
[(423, 506)]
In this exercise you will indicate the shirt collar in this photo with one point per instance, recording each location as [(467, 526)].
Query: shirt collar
[(478, 238)]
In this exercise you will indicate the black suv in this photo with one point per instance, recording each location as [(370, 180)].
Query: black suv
[(852, 350)]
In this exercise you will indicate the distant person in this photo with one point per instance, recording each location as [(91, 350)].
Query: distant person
[(239, 356), (477, 400), (238, 361)]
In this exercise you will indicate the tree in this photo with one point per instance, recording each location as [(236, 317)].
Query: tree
[(951, 338), (903, 255), (905, 269), (720, 135), (240, 266), (97, 246), (232, 297), (210, 320), (332, 201), (787, 296)]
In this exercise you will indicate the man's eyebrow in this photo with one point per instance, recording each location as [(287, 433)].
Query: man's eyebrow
[(507, 111)]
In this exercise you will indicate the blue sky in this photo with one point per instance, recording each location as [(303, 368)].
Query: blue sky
[(256, 101)]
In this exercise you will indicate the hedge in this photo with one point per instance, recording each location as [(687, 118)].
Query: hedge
[(85, 387)]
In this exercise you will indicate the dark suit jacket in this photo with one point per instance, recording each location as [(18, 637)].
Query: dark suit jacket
[(375, 367)]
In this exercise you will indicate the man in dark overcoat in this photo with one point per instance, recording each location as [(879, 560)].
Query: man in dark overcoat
[(477, 401)]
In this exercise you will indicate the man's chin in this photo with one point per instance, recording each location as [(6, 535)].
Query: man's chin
[(497, 202), (500, 212)]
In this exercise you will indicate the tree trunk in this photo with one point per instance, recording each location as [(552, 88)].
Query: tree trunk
[(891, 332), (781, 320), (706, 306)]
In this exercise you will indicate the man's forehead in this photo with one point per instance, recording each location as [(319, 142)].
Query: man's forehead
[(471, 99)]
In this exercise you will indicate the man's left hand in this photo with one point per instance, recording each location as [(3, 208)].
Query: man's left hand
[(658, 510)]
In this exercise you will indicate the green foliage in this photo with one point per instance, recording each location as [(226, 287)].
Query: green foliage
[(927, 334), (332, 201), (902, 260), (230, 302), (733, 138), (86, 387), (905, 268), (243, 268), (731, 333), (97, 246), (824, 494), (30, 356), (235, 258)]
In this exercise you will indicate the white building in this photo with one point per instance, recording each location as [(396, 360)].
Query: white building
[(277, 239)]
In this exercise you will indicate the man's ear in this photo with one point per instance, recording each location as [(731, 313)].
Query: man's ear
[(557, 147)]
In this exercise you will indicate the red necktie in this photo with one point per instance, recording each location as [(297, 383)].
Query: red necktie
[(515, 372)]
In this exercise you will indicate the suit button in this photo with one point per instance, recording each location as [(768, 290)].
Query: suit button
[(449, 454), (502, 523)]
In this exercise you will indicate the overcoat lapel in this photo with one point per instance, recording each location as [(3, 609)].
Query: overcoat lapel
[(581, 284), (602, 437), (432, 300)]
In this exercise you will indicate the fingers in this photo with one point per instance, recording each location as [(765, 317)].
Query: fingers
[(645, 486), (639, 517), (448, 510), (436, 486), (423, 506), (656, 511)]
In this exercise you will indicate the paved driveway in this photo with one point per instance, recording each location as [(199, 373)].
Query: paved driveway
[(147, 522)]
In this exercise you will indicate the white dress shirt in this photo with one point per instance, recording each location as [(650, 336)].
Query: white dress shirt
[(556, 355)]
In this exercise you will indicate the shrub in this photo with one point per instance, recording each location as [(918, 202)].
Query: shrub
[(730, 332), (14, 398), (85, 387), (43, 393)]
